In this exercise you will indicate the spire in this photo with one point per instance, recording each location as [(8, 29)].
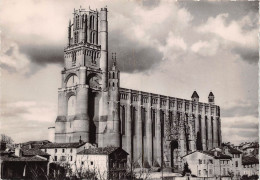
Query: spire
[(114, 66), (195, 95), (211, 94)]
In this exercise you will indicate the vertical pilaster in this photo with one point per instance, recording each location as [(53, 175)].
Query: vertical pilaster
[(215, 129), (149, 137), (203, 128), (158, 131), (129, 124), (139, 129), (209, 143), (192, 126)]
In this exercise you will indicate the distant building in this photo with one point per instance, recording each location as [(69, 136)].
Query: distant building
[(208, 164), (106, 163), (250, 165)]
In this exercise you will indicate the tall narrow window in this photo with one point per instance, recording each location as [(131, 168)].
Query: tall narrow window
[(133, 120), (123, 120), (162, 123), (153, 122), (143, 122)]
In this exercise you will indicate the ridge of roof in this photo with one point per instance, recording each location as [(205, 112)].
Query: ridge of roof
[(63, 145)]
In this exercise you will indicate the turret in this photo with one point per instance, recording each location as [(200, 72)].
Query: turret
[(69, 33), (104, 46), (195, 97), (211, 98), (112, 131)]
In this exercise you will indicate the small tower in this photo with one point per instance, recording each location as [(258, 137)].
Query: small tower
[(112, 132), (195, 97), (211, 98)]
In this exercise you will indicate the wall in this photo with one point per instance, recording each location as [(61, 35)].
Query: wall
[(94, 163)]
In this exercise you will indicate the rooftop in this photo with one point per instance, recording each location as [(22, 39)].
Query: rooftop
[(34, 152), (248, 160), (62, 145), (100, 150)]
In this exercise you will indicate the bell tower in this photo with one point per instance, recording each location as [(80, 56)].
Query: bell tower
[(84, 76)]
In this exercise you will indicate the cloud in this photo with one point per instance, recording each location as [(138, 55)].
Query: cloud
[(13, 59), (240, 36), (30, 110), (205, 48)]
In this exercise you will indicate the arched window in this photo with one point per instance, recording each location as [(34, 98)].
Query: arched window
[(71, 105), (113, 75), (72, 81)]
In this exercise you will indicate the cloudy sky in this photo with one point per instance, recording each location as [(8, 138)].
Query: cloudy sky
[(162, 47)]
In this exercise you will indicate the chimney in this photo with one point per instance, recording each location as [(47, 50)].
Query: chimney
[(18, 151)]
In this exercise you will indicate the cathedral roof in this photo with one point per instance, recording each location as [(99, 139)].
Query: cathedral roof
[(195, 95)]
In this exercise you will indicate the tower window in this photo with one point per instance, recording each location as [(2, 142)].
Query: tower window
[(113, 75), (77, 22)]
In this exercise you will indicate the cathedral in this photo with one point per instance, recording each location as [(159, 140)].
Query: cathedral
[(155, 130)]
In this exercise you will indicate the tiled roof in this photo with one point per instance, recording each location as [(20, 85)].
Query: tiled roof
[(23, 159), (62, 145), (100, 150), (33, 152), (195, 95), (212, 154), (219, 155), (247, 160), (233, 150)]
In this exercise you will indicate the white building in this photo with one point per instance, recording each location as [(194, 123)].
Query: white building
[(208, 163), (64, 152), (236, 155), (105, 163)]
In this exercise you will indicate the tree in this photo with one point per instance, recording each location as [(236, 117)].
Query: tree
[(6, 139), (198, 142), (186, 169)]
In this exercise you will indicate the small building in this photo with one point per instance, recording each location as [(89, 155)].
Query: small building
[(236, 155), (208, 164), (250, 165), (105, 163), (23, 164)]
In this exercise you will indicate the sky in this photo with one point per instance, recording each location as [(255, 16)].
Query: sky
[(165, 47)]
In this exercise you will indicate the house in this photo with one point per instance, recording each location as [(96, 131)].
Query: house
[(250, 165), (23, 164), (236, 155), (64, 152), (104, 162), (208, 163)]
